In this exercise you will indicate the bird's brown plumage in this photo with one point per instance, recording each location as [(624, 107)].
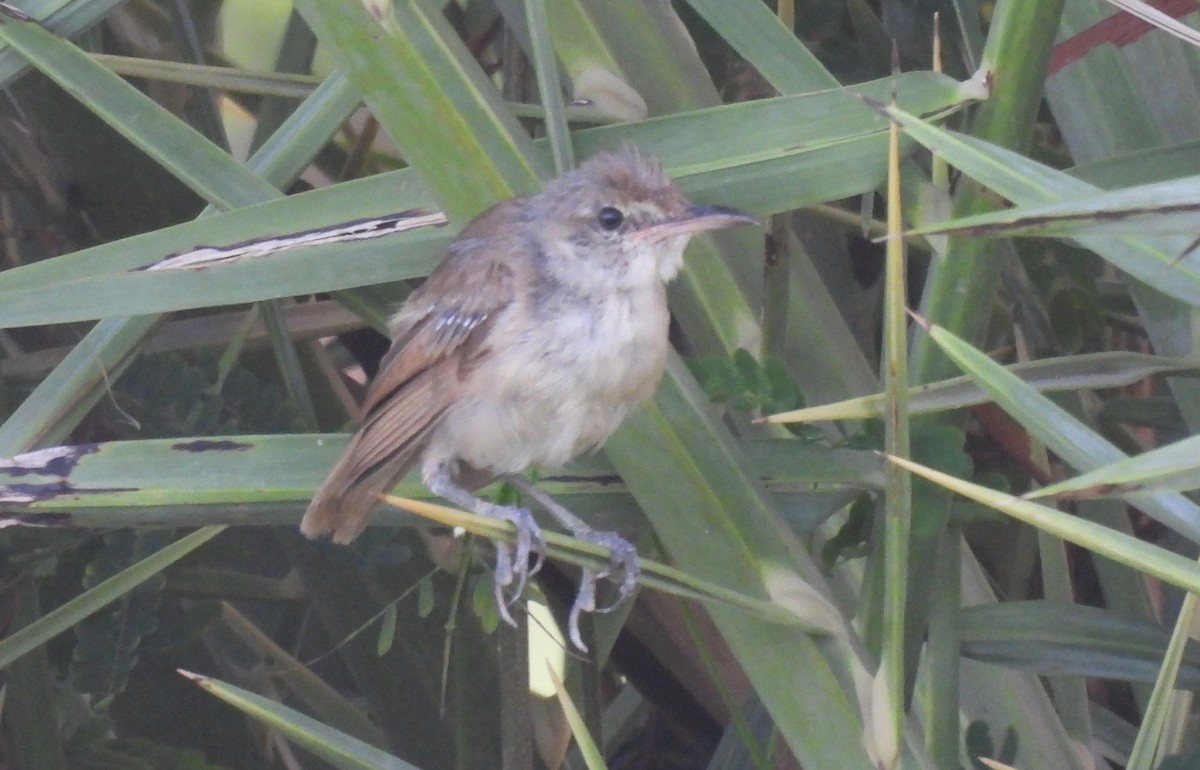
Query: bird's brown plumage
[(440, 332), (545, 324)]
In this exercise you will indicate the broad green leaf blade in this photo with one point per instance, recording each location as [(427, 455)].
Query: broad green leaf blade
[(1155, 261), (796, 159), (754, 169), (273, 216), (67, 19), (1085, 371), (171, 472), (799, 139), (715, 524), (1161, 208), (61, 618), (267, 480), (1050, 637), (430, 95), (289, 273), (1123, 549), (758, 35), (294, 272), (1156, 164), (1174, 467), (335, 747)]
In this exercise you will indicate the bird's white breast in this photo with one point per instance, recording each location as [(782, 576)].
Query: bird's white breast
[(562, 385)]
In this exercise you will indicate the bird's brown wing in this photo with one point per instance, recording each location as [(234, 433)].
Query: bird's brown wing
[(443, 331)]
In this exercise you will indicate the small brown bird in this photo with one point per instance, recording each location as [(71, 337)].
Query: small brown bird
[(544, 325)]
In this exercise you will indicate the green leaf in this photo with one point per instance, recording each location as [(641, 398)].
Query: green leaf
[(1050, 637), (592, 756), (483, 602), (425, 597), (1161, 208), (1140, 555), (757, 34), (819, 139), (1085, 371), (782, 391), (427, 92), (1174, 467), (1157, 261), (1060, 431), (337, 748), (387, 630), (711, 492)]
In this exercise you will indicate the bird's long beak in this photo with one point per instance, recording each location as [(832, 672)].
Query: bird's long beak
[(697, 218)]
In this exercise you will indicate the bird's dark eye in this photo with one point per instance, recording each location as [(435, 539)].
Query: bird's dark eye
[(610, 218)]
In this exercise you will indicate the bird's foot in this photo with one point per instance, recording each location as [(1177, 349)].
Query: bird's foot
[(623, 557), (512, 560)]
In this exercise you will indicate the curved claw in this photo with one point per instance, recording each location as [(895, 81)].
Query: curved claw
[(585, 601), (510, 566), (625, 558), (498, 587)]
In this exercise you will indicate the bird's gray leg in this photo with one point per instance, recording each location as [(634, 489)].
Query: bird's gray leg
[(624, 555), (529, 535)]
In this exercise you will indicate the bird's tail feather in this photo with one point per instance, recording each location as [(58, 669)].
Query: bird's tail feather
[(343, 504)]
